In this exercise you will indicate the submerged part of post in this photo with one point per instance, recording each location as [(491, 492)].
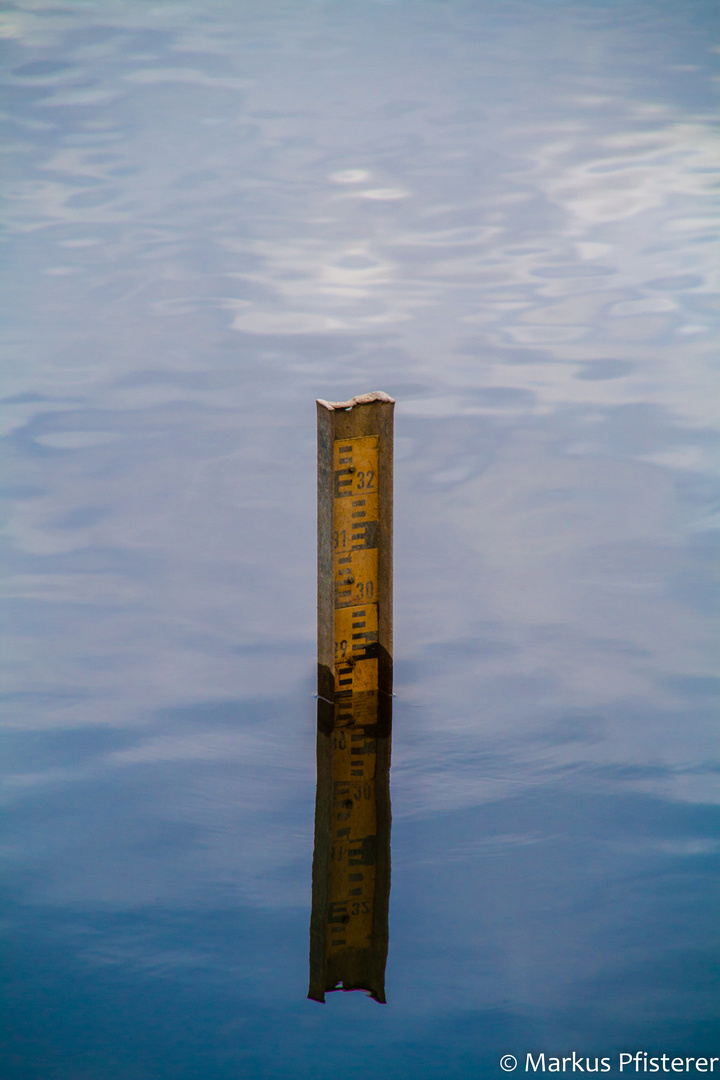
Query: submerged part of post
[(351, 863)]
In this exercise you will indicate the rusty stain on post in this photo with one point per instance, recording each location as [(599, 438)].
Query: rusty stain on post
[(351, 862)]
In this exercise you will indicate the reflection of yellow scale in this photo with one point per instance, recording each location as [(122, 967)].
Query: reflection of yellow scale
[(351, 863)]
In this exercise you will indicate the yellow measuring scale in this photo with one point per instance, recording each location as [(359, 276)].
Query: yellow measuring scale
[(351, 863), (355, 550)]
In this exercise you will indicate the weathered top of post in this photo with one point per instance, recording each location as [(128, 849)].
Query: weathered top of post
[(361, 399)]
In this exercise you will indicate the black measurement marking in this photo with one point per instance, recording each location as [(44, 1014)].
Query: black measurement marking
[(345, 449), (368, 747), (359, 502), (354, 892), (366, 652), (366, 537), (358, 513), (356, 877), (365, 853), (359, 625), (343, 483)]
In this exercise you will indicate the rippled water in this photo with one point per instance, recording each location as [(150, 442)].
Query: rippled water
[(502, 214)]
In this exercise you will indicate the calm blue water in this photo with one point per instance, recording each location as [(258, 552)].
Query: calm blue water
[(502, 214)]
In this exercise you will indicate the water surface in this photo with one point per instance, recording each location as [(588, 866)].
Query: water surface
[(504, 215)]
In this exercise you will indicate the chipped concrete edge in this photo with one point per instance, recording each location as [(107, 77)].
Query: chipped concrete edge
[(361, 399)]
